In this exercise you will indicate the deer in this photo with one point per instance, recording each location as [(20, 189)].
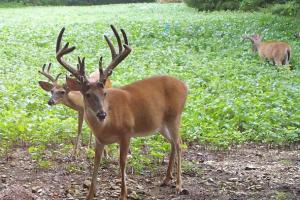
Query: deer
[(297, 35), (139, 109), (61, 94), (279, 53)]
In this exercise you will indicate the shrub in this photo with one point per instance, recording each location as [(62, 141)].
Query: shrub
[(169, 1), (247, 5), (80, 2), (204, 5), (287, 9), (228, 5)]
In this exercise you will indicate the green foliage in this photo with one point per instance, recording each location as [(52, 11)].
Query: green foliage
[(80, 2), (148, 152), (280, 7), (247, 5), (288, 9), (191, 168), (5, 4), (281, 196), (233, 96), (204, 5)]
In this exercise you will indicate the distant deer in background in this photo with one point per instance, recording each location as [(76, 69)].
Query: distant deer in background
[(61, 94), (277, 52), (297, 35), (115, 115)]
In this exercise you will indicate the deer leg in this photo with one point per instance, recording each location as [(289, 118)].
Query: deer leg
[(90, 140), (105, 154), (98, 154), (173, 128), (79, 130), (165, 132), (124, 146), (178, 179), (278, 62)]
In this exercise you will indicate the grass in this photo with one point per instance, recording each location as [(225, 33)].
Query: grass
[(233, 96), (10, 5)]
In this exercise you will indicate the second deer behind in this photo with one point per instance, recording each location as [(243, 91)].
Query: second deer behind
[(277, 52)]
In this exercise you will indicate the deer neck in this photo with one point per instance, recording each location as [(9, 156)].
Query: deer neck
[(74, 100), (256, 46), (116, 121)]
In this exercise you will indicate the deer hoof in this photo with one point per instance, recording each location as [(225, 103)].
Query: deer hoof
[(178, 189), (184, 192)]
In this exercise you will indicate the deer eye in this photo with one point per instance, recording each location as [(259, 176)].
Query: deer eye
[(62, 92), (88, 95), (104, 94)]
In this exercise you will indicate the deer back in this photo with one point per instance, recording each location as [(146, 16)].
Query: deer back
[(139, 108), (274, 50)]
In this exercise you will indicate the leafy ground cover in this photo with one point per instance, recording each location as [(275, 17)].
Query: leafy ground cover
[(233, 96)]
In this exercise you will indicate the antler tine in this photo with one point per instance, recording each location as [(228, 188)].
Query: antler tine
[(101, 74), (47, 73), (118, 37), (60, 52), (124, 36), (245, 36), (81, 69), (116, 58), (111, 47), (58, 75), (49, 66), (81, 65), (59, 38)]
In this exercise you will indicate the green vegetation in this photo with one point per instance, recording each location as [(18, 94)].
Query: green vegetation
[(280, 7), (205, 5), (5, 4), (10, 3), (287, 9), (233, 96), (281, 196)]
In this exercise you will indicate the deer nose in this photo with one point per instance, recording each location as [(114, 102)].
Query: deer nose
[(51, 102), (101, 115)]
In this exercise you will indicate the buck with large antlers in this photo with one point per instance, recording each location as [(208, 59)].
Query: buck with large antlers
[(61, 94), (277, 52), (138, 109)]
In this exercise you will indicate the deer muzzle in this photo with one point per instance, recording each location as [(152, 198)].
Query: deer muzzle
[(51, 102), (101, 115)]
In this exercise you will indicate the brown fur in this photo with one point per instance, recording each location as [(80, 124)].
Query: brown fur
[(275, 51), (73, 100), (117, 114), (138, 109)]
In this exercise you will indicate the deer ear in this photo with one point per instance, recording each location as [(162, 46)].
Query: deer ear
[(73, 84), (45, 85)]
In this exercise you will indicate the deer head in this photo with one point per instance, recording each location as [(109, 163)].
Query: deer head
[(255, 39), (58, 92), (93, 92)]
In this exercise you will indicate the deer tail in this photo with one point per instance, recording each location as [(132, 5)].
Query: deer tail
[(287, 56)]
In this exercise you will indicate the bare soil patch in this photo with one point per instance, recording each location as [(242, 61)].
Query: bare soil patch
[(248, 172)]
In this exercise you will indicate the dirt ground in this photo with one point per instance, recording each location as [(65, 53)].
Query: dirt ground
[(247, 172)]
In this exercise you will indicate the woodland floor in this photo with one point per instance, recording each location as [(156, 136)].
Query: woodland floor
[(248, 172)]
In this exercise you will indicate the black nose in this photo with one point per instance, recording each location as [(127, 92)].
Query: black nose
[(51, 102), (101, 115)]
